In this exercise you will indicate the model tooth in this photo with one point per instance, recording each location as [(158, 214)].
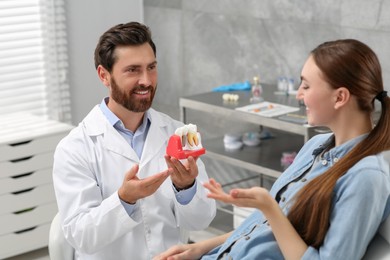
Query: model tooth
[(192, 139)]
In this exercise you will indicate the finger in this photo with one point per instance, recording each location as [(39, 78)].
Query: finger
[(241, 193), (157, 179), (132, 172), (168, 161), (178, 166), (212, 185), (171, 251), (195, 158), (221, 197), (191, 163)]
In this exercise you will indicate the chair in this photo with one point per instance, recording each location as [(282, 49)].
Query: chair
[(379, 247), (59, 249)]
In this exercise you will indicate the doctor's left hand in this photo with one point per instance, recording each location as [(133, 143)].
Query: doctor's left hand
[(133, 188), (184, 174)]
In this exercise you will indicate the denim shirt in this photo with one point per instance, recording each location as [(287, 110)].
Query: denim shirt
[(360, 203)]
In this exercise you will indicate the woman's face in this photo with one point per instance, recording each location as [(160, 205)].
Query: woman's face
[(318, 96)]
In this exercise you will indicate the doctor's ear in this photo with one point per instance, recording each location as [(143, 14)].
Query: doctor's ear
[(342, 97), (104, 75)]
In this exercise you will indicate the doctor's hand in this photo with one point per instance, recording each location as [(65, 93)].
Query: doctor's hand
[(133, 188), (183, 174), (255, 197)]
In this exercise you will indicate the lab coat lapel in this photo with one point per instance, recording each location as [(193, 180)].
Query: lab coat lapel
[(116, 143), (156, 139), (97, 124)]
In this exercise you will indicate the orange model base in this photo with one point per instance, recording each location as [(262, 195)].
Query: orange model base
[(175, 149)]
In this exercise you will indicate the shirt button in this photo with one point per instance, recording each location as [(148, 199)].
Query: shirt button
[(324, 162), (335, 159), (247, 237), (283, 199), (304, 179)]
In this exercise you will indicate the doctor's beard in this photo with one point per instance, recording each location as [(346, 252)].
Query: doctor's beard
[(127, 100)]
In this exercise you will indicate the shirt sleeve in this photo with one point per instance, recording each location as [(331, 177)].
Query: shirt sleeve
[(185, 196), (128, 207)]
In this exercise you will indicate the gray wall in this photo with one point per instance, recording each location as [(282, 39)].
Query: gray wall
[(86, 21), (203, 44)]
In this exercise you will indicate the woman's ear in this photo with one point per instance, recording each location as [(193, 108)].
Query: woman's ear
[(104, 75), (342, 97)]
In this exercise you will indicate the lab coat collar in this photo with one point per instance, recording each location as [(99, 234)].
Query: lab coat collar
[(96, 124)]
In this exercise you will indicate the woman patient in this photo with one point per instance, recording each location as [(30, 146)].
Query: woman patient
[(330, 202)]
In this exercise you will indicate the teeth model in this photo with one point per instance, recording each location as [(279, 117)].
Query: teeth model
[(190, 136)]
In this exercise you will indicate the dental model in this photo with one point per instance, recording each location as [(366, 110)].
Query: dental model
[(185, 142)]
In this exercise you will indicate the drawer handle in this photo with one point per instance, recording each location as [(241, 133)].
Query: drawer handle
[(22, 191), (22, 175), (21, 159), (25, 230), (20, 143), (24, 211)]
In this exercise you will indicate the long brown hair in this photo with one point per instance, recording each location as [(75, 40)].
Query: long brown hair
[(351, 64)]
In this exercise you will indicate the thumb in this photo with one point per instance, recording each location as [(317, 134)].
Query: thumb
[(238, 193), (132, 172)]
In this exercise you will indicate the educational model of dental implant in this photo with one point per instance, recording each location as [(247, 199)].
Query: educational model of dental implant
[(185, 142)]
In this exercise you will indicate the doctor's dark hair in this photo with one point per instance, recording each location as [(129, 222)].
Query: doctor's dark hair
[(129, 34), (351, 64)]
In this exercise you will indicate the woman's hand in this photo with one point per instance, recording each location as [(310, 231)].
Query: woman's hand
[(187, 251), (255, 197)]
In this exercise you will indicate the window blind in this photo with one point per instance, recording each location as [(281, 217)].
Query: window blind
[(33, 59)]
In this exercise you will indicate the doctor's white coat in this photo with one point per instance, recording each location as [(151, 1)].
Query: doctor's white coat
[(89, 167)]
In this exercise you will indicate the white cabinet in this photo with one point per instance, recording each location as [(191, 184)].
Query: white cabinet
[(27, 201)]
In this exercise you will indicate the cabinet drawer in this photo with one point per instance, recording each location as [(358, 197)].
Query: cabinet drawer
[(26, 148), (17, 243), (13, 202), (17, 223), (26, 165), (25, 181)]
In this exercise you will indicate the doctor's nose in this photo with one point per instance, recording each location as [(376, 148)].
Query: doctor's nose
[(145, 79)]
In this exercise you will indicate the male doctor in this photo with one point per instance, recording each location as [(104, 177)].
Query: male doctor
[(119, 196)]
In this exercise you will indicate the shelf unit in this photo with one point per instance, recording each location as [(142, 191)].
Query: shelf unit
[(264, 159), (27, 200)]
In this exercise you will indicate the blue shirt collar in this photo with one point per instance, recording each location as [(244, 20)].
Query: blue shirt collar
[(117, 123)]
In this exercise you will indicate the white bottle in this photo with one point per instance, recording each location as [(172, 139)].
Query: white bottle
[(257, 90)]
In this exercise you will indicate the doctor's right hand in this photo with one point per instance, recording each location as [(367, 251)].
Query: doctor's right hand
[(133, 188)]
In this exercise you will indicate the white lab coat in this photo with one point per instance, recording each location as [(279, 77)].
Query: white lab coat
[(89, 167)]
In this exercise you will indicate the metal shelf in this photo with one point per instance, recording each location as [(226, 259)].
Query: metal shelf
[(212, 102), (264, 159)]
